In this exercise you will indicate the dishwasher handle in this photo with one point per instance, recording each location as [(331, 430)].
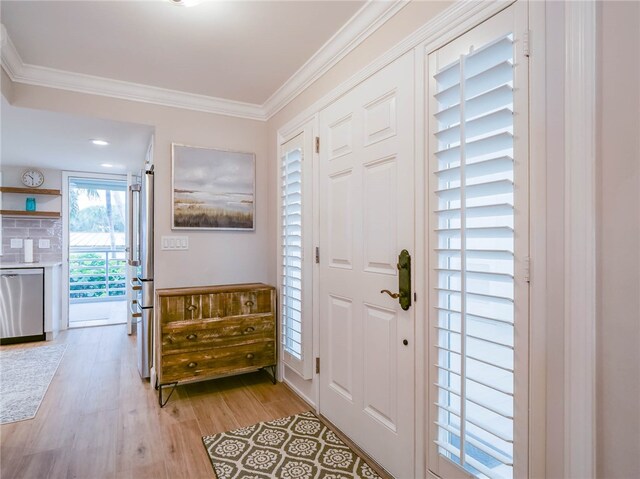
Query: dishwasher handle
[(12, 273)]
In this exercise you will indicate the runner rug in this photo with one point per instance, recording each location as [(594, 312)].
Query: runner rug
[(25, 375), (294, 447)]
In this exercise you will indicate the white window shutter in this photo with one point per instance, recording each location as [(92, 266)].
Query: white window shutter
[(295, 270), (473, 273)]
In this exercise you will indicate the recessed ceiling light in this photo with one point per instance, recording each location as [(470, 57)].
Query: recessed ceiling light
[(106, 165), (185, 3), (99, 142)]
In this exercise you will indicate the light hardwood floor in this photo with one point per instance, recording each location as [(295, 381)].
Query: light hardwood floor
[(100, 420)]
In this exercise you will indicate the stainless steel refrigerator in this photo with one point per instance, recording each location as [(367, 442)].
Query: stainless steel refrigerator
[(141, 257)]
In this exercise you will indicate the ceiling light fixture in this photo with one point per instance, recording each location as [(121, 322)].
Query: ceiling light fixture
[(99, 142), (185, 3), (106, 165)]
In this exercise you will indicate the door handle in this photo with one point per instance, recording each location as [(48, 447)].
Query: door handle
[(393, 295), (135, 309), (136, 284), (404, 281)]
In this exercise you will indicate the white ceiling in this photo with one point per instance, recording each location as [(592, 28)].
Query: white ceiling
[(214, 54), (236, 50), (47, 139)]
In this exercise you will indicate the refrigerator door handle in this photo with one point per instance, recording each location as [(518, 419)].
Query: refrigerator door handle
[(134, 307), (136, 284), (134, 257)]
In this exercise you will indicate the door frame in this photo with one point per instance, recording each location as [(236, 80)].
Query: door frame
[(65, 233), (451, 23)]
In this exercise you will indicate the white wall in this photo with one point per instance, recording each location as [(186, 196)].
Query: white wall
[(618, 392), (6, 86), (214, 257)]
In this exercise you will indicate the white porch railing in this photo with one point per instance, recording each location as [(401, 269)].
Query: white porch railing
[(97, 274)]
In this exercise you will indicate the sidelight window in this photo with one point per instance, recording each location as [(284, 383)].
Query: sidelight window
[(478, 206), (295, 278)]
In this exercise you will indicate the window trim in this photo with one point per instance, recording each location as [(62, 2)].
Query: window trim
[(302, 137)]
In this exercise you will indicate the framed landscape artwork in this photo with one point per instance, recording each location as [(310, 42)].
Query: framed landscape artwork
[(212, 189)]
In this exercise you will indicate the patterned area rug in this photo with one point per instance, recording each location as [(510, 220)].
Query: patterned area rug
[(25, 375), (294, 447)]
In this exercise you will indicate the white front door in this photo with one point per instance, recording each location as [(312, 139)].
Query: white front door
[(366, 220)]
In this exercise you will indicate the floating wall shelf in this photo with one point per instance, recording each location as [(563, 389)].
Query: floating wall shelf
[(29, 191), (42, 214)]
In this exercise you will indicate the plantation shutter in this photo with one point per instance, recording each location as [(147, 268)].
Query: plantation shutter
[(474, 314), (295, 314)]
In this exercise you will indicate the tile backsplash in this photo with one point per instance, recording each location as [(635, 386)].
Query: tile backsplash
[(35, 229)]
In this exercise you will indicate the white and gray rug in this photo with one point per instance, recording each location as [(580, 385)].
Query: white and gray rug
[(25, 375), (294, 447)]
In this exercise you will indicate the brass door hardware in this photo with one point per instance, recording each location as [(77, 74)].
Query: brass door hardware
[(404, 281)]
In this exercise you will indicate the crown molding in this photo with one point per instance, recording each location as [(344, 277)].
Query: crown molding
[(11, 61), (21, 72), (444, 27), (365, 22)]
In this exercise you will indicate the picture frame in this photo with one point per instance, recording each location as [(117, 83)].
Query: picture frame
[(212, 189)]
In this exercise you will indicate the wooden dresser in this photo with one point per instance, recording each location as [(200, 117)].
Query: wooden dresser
[(212, 331)]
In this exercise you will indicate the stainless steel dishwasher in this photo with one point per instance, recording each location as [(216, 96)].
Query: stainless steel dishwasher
[(21, 305)]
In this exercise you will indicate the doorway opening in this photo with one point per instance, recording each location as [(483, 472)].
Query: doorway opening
[(97, 290)]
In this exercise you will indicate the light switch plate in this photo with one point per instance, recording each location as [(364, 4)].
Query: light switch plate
[(174, 243), (16, 242), (44, 243)]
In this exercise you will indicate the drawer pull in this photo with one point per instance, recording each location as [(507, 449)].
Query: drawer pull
[(192, 365), (249, 303), (250, 329), (250, 356), (191, 337), (192, 307)]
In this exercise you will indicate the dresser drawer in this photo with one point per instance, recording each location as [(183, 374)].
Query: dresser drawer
[(191, 307), (189, 335), (217, 361), (249, 302)]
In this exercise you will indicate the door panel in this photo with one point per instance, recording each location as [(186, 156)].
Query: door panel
[(341, 219), (380, 232), (380, 119), (340, 138), (340, 337), (366, 219), (380, 363)]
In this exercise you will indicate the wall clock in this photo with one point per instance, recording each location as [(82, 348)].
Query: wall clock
[(32, 178)]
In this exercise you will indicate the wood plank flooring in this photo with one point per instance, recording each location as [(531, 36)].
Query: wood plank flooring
[(100, 420)]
